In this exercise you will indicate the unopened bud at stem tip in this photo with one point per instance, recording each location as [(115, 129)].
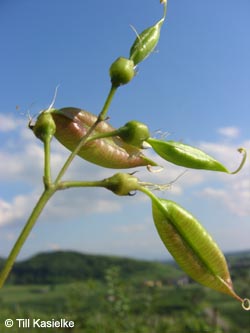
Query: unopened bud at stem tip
[(121, 71)]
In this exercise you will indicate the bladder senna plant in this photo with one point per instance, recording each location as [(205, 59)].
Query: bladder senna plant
[(95, 140), (186, 239)]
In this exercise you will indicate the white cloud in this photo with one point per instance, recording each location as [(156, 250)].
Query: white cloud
[(53, 246), (9, 123), (131, 228), (232, 191), (235, 196), (15, 210), (25, 165), (63, 206), (229, 132), (71, 204)]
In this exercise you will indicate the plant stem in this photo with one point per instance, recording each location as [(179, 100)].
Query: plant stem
[(103, 135), (51, 188), (107, 103), (100, 118), (153, 198), (46, 195), (47, 171), (75, 183)]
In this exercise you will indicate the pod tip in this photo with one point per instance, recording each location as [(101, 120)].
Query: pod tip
[(246, 304), (244, 157)]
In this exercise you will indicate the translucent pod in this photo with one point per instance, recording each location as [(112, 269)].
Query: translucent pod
[(191, 246)]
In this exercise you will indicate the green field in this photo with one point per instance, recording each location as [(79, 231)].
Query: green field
[(120, 302)]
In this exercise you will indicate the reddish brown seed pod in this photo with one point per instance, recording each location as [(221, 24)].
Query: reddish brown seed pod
[(111, 152)]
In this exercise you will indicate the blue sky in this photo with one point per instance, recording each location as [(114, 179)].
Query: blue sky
[(195, 87)]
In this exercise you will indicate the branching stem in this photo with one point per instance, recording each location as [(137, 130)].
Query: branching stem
[(84, 139), (46, 195), (51, 187)]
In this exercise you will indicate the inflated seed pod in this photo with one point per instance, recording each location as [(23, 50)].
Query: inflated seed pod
[(145, 43), (191, 246), (187, 156), (147, 40), (111, 152)]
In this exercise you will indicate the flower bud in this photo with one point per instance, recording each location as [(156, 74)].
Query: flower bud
[(134, 133), (44, 127), (121, 71), (122, 184)]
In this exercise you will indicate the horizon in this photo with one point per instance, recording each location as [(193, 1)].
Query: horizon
[(169, 259)]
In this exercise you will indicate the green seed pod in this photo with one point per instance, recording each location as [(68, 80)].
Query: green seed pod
[(44, 127), (145, 43), (134, 133), (111, 152), (121, 71), (191, 246), (185, 155)]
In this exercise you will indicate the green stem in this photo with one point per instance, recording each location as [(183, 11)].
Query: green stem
[(46, 195), (104, 135), (147, 192), (75, 183), (51, 188), (107, 103), (154, 198), (47, 171), (100, 118)]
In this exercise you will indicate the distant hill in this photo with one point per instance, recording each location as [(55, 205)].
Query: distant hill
[(69, 266)]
